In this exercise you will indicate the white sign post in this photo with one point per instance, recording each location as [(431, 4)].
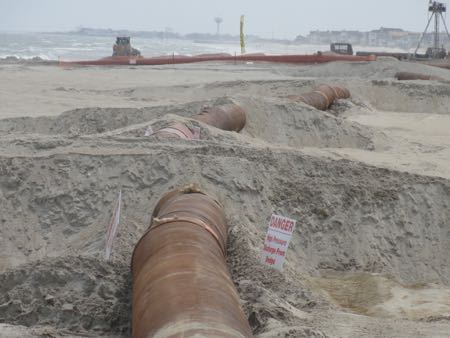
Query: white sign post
[(112, 227), (277, 241)]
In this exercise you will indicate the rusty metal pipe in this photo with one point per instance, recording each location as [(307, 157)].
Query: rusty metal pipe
[(342, 92), (316, 99), (329, 92), (179, 59), (322, 97), (178, 130), (404, 76), (181, 283), (229, 117)]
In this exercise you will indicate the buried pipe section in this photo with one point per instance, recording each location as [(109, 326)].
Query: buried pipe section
[(229, 117), (178, 130), (405, 76), (322, 97), (181, 283)]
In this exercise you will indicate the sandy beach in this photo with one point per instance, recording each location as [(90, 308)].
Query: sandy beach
[(367, 181)]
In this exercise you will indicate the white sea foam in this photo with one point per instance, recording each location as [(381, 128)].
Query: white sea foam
[(49, 46)]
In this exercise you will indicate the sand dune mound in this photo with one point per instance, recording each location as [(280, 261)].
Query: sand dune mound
[(276, 121), (382, 69), (85, 121), (299, 125), (74, 293), (411, 96)]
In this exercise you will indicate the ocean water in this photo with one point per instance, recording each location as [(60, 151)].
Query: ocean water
[(54, 46)]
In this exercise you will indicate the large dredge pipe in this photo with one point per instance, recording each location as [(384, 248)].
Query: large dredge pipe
[(399, 56), (180, 59), (322, 97), (177, 130), (181, 283), (404, 76), (230, 117)]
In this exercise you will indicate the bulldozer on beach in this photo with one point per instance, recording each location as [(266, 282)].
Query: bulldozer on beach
[(122, 47)]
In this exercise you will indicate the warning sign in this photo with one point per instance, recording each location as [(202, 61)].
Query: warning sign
[(277, 241)]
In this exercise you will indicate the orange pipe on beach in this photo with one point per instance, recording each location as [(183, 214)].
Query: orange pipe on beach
[(181, 283), (404, 76), (322, 97), (179, 59), (316, 99), (230, 117), (178, 130)]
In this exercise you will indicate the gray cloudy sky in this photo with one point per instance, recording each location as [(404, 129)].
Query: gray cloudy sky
[(278, 18)]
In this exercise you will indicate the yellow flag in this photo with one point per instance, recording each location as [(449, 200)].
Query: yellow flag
[(242, 36)]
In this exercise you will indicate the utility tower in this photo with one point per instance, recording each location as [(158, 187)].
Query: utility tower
[(218, 21), (436, 9)]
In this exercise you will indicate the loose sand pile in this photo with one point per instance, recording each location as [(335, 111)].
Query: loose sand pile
[(369, 189)]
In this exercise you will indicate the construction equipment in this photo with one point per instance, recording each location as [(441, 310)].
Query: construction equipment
[(122, 47), (341, 48), (437, 51)]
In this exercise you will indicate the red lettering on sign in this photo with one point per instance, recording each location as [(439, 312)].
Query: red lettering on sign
[(281, 253), (279, 241), (270, 260), (282, 224), (269, 249), (291, 226)]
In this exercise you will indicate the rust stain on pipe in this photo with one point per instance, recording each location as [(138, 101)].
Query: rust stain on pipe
[(316, 99), (342, 92), (322, 97), (403, 76), (329, 92), (181, 283), (229, 117), (178, 130)]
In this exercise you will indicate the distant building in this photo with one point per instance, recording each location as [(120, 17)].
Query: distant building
[(384, 36)]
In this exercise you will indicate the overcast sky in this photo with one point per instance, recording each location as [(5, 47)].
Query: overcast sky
[(277, 18)]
